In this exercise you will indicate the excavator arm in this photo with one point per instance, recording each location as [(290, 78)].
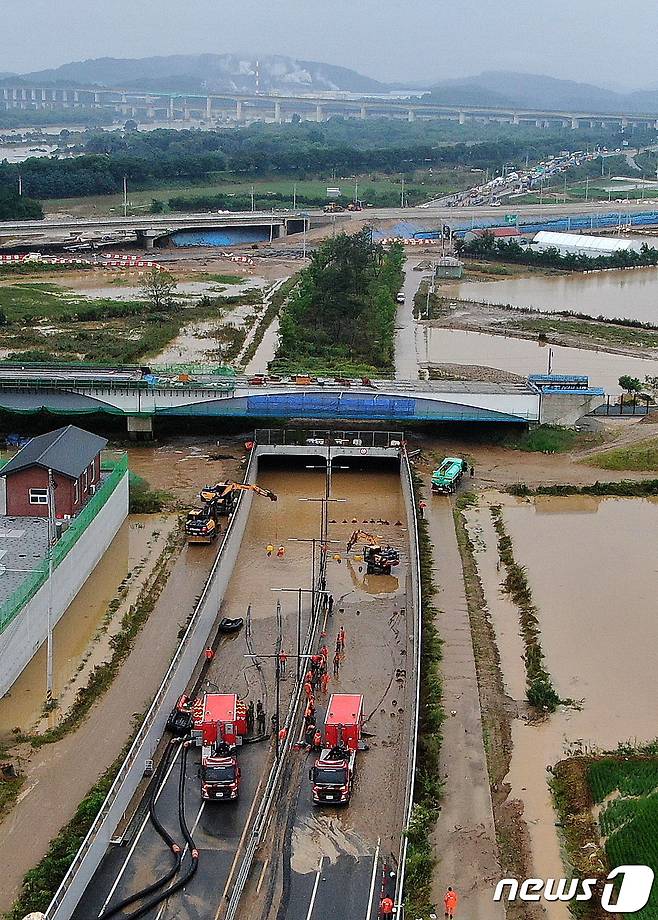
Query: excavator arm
[(360, 535), (247, 487)]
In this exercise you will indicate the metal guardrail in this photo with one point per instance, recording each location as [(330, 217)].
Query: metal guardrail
[(93, 838), (301, 437), (414, 559)]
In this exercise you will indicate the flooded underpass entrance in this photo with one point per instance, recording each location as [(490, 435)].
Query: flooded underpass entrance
[(275, 559), (591, 567), (320, 861)]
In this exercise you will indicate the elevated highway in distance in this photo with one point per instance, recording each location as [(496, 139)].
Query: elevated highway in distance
[(242, 107), (147, 229)]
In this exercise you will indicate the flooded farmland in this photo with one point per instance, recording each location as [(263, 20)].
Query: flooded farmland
[(631, 294), (523, 356), (591, 565)]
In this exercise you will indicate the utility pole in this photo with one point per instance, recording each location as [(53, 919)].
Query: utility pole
[(252, 199), (51, 540), (294, 197), (587, 189), (356, 191), (20, 185), (402, 194), (125, 196)]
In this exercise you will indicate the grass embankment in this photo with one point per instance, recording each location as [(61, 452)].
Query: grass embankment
[(341, 319), (496, 725), (626, 488), (641, 457), (41, 882), (10, 787), (428, 788), (624, 791), (606, 333), (540, 690)]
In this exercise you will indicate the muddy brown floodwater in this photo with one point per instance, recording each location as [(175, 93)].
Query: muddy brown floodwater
[(632, 294), (75, 632), (592, 568), (523, 357)]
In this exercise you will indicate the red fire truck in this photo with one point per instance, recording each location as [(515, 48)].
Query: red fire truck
[(334, 770), (219, 724)]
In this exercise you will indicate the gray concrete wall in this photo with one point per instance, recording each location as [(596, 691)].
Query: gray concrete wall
[(25, 635), (148, 737), (566, 408)]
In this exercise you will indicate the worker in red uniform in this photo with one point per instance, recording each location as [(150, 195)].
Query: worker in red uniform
[(450, 903), (386, 907), (209, 654), (341, 640), (317, 740), (308, 689), (325, 681), (281, 552), (336, 664), (283, 658)]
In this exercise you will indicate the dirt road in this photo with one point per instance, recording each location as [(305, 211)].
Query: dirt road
[(464, 839)]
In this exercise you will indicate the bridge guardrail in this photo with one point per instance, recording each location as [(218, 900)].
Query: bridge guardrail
[(412, 522), (189, 650)]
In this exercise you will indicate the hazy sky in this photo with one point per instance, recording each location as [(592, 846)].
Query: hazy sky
[(610, 42)]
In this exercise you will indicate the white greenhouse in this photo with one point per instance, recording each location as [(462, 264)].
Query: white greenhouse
[(577, 244)]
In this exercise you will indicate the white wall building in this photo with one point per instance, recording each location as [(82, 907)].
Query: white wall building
[(579, 244)]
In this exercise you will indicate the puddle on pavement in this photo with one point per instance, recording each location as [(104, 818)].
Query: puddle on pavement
[(322, 836), (631, 294), (523, 356), (22, 705), (591, 565)]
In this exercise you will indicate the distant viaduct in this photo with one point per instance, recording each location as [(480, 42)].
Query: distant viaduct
[(244, 107)]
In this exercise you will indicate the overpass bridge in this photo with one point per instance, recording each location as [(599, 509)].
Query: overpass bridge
[(242, 107), (140, 401), (146, 229)]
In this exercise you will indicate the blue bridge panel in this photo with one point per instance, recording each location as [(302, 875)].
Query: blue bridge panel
[(330, 405)]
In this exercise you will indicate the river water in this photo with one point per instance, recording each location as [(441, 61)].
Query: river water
[(591, 565), (631, 294), (524, 356)]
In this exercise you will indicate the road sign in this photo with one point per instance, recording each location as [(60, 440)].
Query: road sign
[(511, 218), (333, 193)]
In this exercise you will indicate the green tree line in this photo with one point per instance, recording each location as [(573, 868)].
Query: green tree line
[(341, 318), (488, 247)]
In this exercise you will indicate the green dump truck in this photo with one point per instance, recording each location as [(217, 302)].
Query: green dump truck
[(447, 477)]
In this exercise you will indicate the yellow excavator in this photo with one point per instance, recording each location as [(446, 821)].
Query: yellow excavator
[(379, 560), (224, 495), (202, 524)]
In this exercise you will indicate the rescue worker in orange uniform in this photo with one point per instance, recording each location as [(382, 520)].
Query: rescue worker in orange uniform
[(386, 907), (450, 903)]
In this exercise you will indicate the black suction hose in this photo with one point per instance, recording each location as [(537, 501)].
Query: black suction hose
[(162, 832), (194, 863)]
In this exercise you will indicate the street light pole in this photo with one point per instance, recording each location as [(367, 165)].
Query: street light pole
[(51, 540)]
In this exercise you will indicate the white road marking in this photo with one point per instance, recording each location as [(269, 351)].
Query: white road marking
[(315, 890), (136, 840), (373, 880)]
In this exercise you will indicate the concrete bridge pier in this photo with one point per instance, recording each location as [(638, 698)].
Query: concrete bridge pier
[(318, 113), (170, 111), (363, 113), (146, 239), (238, 110), (462, 117), (208, 108), (516, 120), (277, 112), (140, 427), (574, 124)]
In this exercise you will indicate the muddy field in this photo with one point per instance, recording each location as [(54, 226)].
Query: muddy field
[(595, 601)]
